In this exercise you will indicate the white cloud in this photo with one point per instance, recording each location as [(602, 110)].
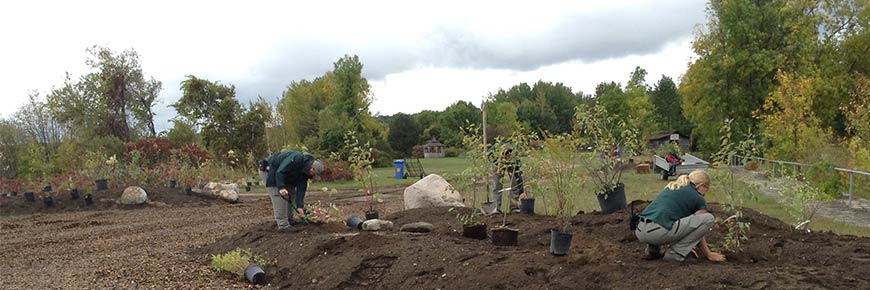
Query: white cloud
[(416, 54)]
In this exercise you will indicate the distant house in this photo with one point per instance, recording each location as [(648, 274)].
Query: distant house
[(433, 149), (666, 137)]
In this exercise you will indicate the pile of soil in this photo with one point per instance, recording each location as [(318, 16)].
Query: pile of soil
[(604, 254), (103, 200)]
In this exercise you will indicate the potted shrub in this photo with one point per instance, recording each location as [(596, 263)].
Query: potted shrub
[(479, 168), (561, 164), (83, 183), (47, 195), (361, 161), (242, 263), (471, 228), (504, 235), (611, 140), (31, 186)]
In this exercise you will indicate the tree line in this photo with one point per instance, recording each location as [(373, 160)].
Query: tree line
[(792, 73)]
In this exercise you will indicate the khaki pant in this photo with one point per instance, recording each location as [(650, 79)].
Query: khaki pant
[(280, 207), (683, 236)]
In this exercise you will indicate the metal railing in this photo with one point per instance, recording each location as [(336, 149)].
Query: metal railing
[(770, 164)]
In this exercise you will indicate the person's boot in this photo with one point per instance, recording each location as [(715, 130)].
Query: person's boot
[(652, 252)]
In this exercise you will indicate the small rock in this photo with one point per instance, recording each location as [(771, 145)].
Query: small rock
[(377, 225), (418, 227), (133, 195)]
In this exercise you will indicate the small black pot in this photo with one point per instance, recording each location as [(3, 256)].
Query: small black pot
[(29, 196), (505, 237), (257, 183), (371, 215), (188, 191), (47, 188), (354, 222), (527, 206), (249, 183), (477, 231), (74, 194), (560, 242), (248, 188), (255, 274), (172, 183), (615, 200), (102, 184), (89, 199), (48, 201), (13, 193)]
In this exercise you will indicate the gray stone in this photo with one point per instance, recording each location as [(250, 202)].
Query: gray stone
[(432, 191), (418, 227), (377, 225), (133, 195), (225, 190)]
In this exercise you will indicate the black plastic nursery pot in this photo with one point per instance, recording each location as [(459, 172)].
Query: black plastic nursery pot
[(29, 196), (172, 183), (255, 274), (89, 199), (74, 194), (48, 201), (354, 222), (13, 193), (249, 183), (505, 237), (372, 215), (527, 206), (477, 231), (614, 201), (47, 188), (560, 242), (188, 191), (257, 183), (102, 184), (248, 188)]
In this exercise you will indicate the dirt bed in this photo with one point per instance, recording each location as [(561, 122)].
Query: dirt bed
[(604, 255), (169, 247), (103, 200)]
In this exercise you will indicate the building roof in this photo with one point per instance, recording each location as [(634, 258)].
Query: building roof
[(433, 142), (666, 134)]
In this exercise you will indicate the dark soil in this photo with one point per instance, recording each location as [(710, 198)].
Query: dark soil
[(103, 199), (604, 255)]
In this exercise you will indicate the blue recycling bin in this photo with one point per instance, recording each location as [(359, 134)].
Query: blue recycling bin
[(400, 168)]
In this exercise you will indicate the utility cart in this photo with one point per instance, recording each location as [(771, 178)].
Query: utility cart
[(690, 163)]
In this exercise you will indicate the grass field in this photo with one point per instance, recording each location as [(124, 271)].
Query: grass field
[(638, 186)]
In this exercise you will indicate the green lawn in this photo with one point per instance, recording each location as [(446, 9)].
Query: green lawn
[(643, 186)]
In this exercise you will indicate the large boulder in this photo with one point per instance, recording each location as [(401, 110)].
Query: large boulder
[(225, 190), (133, 195), (432, 191)]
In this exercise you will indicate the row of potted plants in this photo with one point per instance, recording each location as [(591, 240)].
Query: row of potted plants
[(561, 165)]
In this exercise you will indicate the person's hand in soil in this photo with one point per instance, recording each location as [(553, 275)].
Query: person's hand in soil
[(715, 257)]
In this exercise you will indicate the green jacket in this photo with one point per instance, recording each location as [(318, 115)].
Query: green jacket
[(672, 205), (289, 168)]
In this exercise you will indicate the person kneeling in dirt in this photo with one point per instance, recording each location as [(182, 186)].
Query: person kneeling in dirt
[(678, 217), (286, 175), (506, 163)]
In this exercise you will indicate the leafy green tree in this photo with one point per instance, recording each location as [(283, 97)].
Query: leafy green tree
[(544, 107), (251, 128), (429, 126), (182, 133), (789, 123), (106, 101), (739, 52), (639, 104), (404, 133), (458, 115), (613, 99), (12, 139), (667, 106)]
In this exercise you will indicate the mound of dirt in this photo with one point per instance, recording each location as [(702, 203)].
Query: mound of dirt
[(103, 199), (604, 254)]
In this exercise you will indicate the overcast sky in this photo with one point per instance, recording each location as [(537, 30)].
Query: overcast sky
[(417, 55)]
